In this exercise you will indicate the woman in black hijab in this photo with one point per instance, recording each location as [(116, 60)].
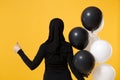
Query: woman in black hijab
[(57, 53)]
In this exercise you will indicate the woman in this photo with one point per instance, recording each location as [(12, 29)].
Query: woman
[(57, 53)]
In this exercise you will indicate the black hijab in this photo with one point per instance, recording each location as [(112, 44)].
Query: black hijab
[(55, 37)]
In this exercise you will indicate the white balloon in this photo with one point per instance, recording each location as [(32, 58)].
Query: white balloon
[(92, 37), (101, 50), (104, 72), (100, 27)]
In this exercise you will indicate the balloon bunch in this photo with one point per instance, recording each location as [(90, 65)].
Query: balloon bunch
[(92, 49)]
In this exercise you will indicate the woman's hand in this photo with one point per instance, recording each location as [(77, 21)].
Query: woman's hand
[(17, 47)]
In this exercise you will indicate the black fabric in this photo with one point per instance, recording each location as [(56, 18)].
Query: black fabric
[(57, 53)]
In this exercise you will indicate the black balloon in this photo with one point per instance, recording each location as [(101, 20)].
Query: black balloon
[(78, 38), (84, 62), (91, 18)]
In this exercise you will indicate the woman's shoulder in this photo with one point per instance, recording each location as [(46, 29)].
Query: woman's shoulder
[(68, 47), (67, 44), (42, 46)]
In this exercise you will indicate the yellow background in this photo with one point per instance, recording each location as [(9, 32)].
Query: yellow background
[(27, 21)]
